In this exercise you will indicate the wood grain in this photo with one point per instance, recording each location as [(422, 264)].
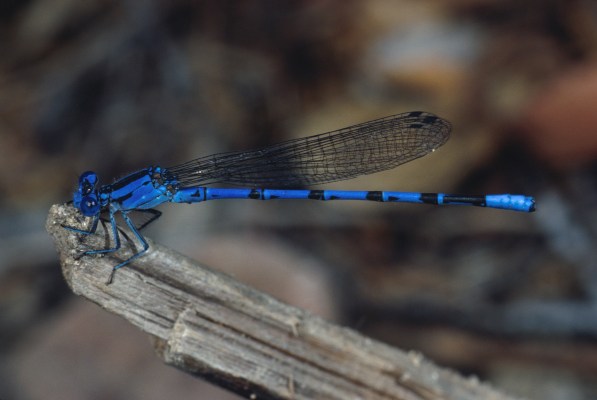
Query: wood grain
[(207, 324)]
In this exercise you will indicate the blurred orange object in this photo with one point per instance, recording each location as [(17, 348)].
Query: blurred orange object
[(561, 123)]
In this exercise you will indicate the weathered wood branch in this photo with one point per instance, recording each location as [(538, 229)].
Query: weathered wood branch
[(208, 324)]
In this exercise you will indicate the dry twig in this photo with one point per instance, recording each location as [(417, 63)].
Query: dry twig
[(210, 325)]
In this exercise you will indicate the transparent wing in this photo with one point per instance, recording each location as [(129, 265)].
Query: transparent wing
[(338, 155)]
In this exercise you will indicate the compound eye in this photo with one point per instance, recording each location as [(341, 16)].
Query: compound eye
[(90, 206), (87, 182)]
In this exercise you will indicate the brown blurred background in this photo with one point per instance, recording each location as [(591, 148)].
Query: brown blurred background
[(117, 86)]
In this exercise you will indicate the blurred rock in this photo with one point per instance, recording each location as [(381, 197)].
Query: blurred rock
[(84, 352)]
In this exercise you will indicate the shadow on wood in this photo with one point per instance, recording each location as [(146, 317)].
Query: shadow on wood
[(207, 324)]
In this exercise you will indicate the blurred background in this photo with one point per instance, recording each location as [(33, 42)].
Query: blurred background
[(115, 86)]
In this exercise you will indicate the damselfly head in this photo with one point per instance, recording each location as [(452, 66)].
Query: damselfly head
[(87, 182), (85, 197)]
